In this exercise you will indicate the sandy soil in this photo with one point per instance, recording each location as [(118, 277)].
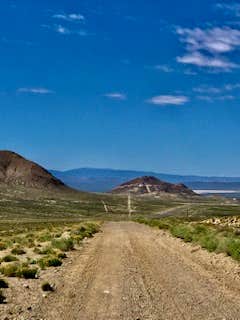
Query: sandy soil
[(133, 272)]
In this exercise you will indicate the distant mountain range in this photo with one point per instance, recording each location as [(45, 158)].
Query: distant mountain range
[(101, 180)]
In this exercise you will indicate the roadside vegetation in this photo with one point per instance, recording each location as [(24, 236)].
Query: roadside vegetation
[(27, 249), (219, 238)]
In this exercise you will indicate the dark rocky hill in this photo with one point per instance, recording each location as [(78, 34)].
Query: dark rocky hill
[(152, 185), (18, 171)]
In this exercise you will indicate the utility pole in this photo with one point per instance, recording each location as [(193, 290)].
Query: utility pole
[(105, 206), (129, 206)]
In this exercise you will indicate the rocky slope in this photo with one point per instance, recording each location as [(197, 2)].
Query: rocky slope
[(152, 185), (18, 171)]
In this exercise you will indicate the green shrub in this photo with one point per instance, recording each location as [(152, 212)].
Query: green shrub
[(46, 286), (19, 270), (3, 283), (18, 251), (49, 262), (63, 244), (27, 273), (233, 248), (183, 232), (9, 258), (45, 237), (2, 298), (47, 250), (53, 262), (209, 242)]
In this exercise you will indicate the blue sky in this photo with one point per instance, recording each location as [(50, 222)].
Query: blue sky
[(150, 85)]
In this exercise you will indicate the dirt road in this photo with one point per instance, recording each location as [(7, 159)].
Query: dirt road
[(131, 272)]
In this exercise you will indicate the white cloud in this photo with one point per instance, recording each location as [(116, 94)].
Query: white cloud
[(116, 96), (35, 90), (72, 17), (201, 60), (168, 100), (215, 40), (66, 31), (206, 47), (163, 68), (62, 30)]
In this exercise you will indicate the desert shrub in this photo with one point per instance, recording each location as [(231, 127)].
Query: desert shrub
[(9, 270), (87, 230), (78, 238), (63, 244), (2, 298), (9, 258), (233, 248), (3, 283), (27, 273), (209, 242), (49, 262), (44, 237), (46, 286), (47, 250), (53, 262), (3, 246), (200, 229), (182, 231), (18, 251), (61, 255), (19, 270)]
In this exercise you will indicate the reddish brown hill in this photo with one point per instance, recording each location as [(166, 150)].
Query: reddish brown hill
[(152, 185), (18, 171)]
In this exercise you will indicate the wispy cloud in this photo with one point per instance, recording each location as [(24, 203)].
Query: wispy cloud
[(211, 94), (232, 86), (201, 60), (206, 89), (163, 68), (72, 17), (206, 47), (232, 8), (217, 90), (215, 98), (168, 100), (116, 96), (35, 90)]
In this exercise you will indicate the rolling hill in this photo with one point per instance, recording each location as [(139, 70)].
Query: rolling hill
[(153, 186), (18, 171)]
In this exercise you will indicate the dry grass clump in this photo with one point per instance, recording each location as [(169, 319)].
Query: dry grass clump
[(18, 250), (18, 270), (9, 258)]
